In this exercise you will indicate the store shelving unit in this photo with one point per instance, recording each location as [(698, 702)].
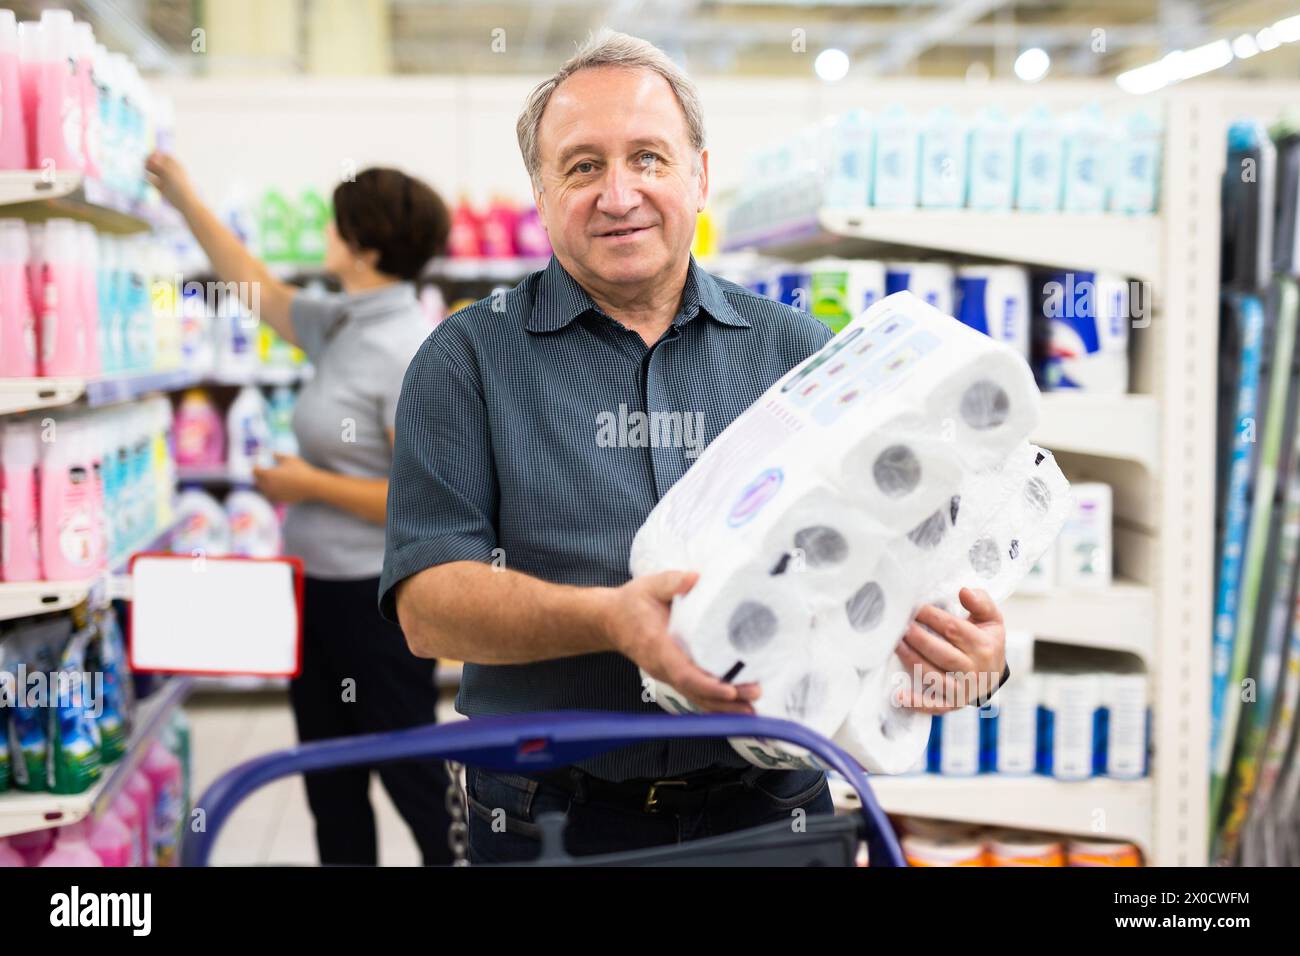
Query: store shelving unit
[(1156, 447), (21, 812), (37, 195), (1096, 808)]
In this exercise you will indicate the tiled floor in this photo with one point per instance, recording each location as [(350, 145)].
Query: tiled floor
[(274, 825)]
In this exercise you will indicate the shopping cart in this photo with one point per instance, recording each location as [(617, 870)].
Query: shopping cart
[(544, 741)]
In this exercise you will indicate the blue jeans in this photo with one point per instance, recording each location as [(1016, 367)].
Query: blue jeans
[(504, 807)]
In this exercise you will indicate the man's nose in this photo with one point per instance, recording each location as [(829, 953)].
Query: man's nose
[(620, 192)]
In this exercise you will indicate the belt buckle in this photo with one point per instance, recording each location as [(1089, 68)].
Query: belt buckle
[(652, 795)]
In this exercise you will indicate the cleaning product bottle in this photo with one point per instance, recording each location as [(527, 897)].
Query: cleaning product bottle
[(200, 434), (139, 790), (68, 546), (31, 51), (72, 847), (497, 231), (309, 224), (530, 235), (1086, 173), (176, 737), (17, 322), (60, 323), (201, 524), (275, 217), (162, 465), (991, 168), (1137, 163), (20, 552), (254, 526), (128, 812), (164, 773), (9, 857), (1039, 162), (32, 845), (280, 417), (74, 754), (13, 128), (83, 43), (106, 265), (248, 434), (58, 111), (465, 240), (110, 839), (88, 283)]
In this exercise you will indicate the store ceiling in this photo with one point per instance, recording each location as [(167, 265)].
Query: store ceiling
[(947, 38)]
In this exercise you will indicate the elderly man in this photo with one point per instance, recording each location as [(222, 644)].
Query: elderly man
[(510, 519)]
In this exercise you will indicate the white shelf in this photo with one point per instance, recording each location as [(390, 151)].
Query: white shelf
[(1119, 618), (22, 812), (1098, 808), (29, 394), (22, 598), (1120, 426), (1129, 245), (32, 194), (262, 375)]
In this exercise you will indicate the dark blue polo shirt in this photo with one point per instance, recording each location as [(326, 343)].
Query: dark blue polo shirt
[(500, 456)]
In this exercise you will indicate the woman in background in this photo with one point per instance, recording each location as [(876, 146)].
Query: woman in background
[(358, 675)]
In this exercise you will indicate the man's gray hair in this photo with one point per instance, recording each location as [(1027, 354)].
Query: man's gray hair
[(608, 48)]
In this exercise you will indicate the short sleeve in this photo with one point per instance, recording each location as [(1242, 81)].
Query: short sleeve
[(442, 491), (312, 316)]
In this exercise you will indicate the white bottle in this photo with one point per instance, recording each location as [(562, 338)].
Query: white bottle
[(897, 160), (248, 434), (254, 526), (943, 160), (202, 526)]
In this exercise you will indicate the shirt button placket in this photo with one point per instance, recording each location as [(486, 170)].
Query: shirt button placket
[(666, 462)]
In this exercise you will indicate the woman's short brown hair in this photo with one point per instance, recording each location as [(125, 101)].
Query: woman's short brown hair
[(396, 215)]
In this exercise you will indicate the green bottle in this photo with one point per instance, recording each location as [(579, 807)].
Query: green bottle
[(276, 226), (309, 238)]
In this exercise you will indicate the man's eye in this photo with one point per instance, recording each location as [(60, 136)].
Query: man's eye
[(648, 159), (584, 167)]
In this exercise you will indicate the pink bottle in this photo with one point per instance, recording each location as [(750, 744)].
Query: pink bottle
[(111, 840), (70, 548), (60, 323), (139, 791), (200, 432), (33, 845), (128, 811), (58, 102), (71, 847), (9, 857), (87, 96), (88, 283), (498, 230), (13, 125), (164, 773), (20, 550), (17, 321), (30, 50)]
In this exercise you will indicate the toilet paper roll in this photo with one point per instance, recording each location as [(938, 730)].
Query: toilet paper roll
[(900, 473), (864, 613), (879, 734), (665, 695), (817, 692), (986, 406), (743, 624), (931, 282), (812, 529)]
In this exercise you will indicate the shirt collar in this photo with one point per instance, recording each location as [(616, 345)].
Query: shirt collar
[(375, 303), (560, 300)]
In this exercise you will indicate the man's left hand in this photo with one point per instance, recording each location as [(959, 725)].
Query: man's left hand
[(291, 480), (948, 657)]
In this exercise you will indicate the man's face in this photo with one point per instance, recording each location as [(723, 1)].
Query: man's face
[(621, 185)]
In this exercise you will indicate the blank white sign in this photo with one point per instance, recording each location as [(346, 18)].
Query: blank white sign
[(211, 615)]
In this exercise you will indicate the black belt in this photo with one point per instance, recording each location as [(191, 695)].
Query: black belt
[(685, 793)]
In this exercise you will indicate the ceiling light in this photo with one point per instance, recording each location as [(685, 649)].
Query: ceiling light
[(1245, 46), (832, 65), (1203, 59), (1288, 30), (1032, 65)]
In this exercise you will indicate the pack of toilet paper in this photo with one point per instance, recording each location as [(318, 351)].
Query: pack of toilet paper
[(887, 471)]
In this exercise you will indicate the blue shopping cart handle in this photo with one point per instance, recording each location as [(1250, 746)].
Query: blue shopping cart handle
[(529, 743)]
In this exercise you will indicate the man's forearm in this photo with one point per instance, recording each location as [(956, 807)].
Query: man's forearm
[(473, 612)]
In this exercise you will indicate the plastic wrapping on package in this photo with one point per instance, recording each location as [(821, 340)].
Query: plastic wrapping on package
[(885, 471)]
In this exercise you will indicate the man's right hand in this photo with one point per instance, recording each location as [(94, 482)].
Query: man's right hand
[(636, 624)]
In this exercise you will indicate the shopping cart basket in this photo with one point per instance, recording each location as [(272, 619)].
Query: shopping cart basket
[(543, 741)]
